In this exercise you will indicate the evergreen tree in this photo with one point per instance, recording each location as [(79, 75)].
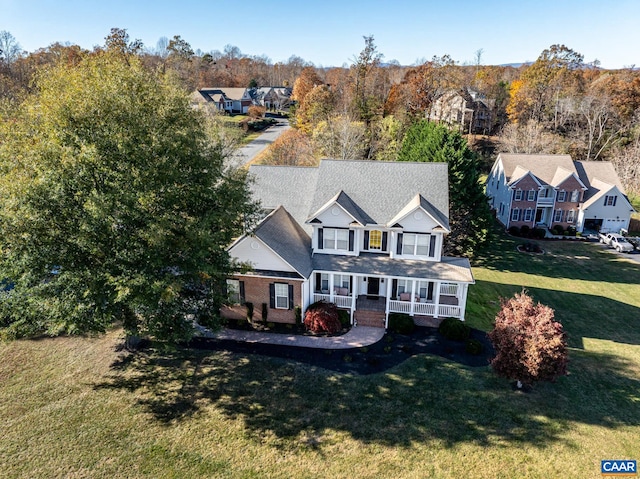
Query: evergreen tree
[(115, 205), (469, 211)]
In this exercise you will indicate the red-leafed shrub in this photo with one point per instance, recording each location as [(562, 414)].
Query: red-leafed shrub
[(530, 345), (322, 317)]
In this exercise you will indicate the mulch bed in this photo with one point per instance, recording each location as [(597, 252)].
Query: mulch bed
[(392, 350)]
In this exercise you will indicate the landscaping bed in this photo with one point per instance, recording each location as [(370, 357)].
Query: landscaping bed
[(392, 350)]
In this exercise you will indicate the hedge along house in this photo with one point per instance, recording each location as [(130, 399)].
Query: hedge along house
[(548, 190), (364, 235)]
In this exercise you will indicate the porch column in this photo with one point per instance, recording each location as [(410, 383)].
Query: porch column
[(354, 294), (413, 297), (462, 301), (387, 300), (331, 299), (436, 309)]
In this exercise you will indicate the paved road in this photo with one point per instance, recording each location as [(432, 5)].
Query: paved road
[(244, 155)]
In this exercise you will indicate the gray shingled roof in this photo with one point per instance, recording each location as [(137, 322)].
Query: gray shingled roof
[(287, 238), (448, 269), (601, 170), (349, 206), (542, 166), (379, 189)]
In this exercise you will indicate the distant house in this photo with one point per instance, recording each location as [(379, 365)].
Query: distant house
[(545, 190), (365, 235), (231, 100), (272, 97), (465, 108)]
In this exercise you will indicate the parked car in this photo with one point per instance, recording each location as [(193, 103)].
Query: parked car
[(616, 241)]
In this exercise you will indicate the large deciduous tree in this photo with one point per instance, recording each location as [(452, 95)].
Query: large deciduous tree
[(530, 345), (115, 205), (469, 211)]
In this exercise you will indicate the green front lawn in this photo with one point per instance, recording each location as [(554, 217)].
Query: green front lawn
[(75, 407)]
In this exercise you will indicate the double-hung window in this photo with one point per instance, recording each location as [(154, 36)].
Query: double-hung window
[(531, 195), (562, 196), (518, 195), (610, 200), (575, 196), (571, 214), (233, 290), (335, 239), (515, 214), (282, 295), (415, 244), (528, 214), (557, 217)]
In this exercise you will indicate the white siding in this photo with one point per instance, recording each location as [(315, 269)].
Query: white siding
[(335, 216), (259, 255), (418, 221), (613, 217)]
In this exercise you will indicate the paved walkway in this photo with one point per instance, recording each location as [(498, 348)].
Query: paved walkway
[(357, 337)]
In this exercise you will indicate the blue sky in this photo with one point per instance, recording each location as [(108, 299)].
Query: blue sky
[(329, 32)]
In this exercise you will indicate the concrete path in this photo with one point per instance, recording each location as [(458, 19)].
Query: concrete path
[(248, 152), (357, 337)]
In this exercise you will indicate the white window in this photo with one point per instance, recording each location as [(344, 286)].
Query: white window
[(609, 200), (571, 214), (404, 286), (515, 214), (528, 214), (282, 295), (518, 195), (324, 282), (575, 196), (562, 196), (341, 285), (531, 195), (335, 239), (557, 216), (415, 244), (233, 291)]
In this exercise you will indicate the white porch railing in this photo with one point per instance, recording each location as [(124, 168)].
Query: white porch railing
[(449, 289), (424, 309), (546, 201), (340, 301)]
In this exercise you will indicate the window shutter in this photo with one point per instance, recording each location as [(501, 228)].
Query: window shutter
[(272, 295), (320, 239), (366, 240), (615, 198), (384, 240), (432, 246), (352, 235), (242, 299), (318, 282), (394, 288), (399, 245), (430, 290), (290, 296)]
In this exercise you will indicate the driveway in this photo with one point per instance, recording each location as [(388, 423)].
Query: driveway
[(633, 256), (247, 153)]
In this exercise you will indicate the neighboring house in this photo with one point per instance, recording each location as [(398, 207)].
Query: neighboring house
[(545, 190), (231, 100), (364, 235), (466, 108), (272, 97)]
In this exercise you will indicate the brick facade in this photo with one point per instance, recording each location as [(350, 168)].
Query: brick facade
[(567, 187), (256, 291), (524, 205)]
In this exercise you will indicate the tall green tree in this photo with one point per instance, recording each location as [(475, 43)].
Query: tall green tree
[(115, 205), (469, 211)]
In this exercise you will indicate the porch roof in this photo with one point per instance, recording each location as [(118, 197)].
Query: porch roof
[(448, 269)]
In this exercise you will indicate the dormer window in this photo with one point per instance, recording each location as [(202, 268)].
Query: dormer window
[(336, 239)]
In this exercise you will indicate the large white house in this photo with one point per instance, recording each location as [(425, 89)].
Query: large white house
[(548, 190), (365, 235)]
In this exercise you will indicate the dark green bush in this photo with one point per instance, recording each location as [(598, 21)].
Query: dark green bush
[(344, 317), (249, 310), (538, 233), (454, 329), (557, 230), (265, 312), (514, 230), (401, 323), (525, 231), (473, 346), (298, 312)]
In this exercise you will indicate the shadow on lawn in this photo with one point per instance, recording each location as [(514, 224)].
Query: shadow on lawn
[(582, 315), (425, 399), (562, 259)]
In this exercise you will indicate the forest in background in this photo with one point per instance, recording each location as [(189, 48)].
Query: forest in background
[(362, 110)]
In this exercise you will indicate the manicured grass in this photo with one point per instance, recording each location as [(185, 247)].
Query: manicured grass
[(75, 407)]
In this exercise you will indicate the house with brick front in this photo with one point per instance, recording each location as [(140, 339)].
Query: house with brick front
[(547, 190), (365, 235)]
